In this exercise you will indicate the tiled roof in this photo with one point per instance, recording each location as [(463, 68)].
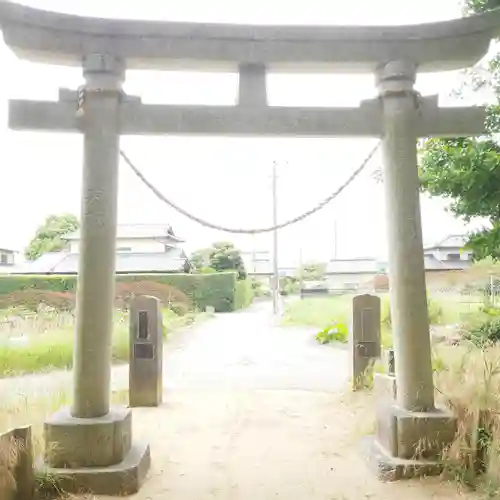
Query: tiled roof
[(373, 266), (452, 241), (136, 231), (67, 263), (354, 266)]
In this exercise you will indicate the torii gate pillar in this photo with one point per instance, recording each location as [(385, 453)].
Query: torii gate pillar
[(411, 432), (89, 446)]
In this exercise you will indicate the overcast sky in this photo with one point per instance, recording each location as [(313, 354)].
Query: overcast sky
[(224, 180)]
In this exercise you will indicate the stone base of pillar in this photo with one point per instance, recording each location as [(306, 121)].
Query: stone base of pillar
[(95, 455), (407, 444)]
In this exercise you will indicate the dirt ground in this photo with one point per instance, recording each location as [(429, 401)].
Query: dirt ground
[(257, 412), (265, 445)]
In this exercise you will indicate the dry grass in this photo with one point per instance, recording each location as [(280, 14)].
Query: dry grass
[(18, 411), (468, 381)]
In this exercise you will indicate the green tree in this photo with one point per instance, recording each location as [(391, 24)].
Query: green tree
[(466, 171), (200, 259), (224, 256), (312, 271), (49, 236)]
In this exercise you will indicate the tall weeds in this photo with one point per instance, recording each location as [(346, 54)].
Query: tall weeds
[(468, 382)]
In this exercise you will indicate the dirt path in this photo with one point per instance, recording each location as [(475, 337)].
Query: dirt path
[(258, 412)]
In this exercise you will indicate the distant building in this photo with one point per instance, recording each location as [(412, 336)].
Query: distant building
[(449, 254), (7, 259), (140, 248), (444, 263), (257, 262)]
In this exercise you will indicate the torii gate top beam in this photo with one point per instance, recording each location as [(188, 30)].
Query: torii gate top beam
[(57, 38)]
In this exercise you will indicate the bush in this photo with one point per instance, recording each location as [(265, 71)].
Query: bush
[(244, 294), (435, 312), (336, 332), (216, 290), (483, 327), (167, 294), (31, 300)]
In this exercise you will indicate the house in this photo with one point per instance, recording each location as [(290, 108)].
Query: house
[(7, 259), (140, 248), (449, 252), (445, 263), (353, 274), (257, 262)]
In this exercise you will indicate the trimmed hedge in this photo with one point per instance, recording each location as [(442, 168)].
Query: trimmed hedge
[(217, 290), (244, 294)]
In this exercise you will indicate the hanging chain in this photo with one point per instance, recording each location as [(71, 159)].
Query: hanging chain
[(269, 229)]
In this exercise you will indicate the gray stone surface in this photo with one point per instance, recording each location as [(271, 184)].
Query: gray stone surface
[(413, 436), (124, 478), (252, 85), (146, 352), (64, 39), (364, 336), (408, 295), (87, 442), (159, 119), (390, 468), (90, 444), (96, 275)]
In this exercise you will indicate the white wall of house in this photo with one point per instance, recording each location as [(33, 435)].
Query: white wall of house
[(7, 258), (348, 281), (450, 254), (130, 245)]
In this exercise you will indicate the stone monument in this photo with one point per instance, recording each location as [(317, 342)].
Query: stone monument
[(146, 352), (364, 336), (399, 115)]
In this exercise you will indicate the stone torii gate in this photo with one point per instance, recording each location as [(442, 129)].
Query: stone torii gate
[(91, 443)]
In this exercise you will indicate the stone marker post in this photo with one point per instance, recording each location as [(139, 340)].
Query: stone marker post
[(365, 336), (146, 352), (90, 446), (411, 432)]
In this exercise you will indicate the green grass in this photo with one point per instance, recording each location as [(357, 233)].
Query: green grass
[(447, 309), (52, 351), (318, 312)]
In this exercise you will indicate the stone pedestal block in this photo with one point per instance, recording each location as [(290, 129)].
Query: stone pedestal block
[(408, 443), (124, 478), (384, 388), (95, 454), (87, 442)]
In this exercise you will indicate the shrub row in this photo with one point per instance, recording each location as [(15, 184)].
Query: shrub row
[(244, 294), (218, 290)]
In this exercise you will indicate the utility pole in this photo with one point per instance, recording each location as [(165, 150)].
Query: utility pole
[(276, 279), (335, 247)]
